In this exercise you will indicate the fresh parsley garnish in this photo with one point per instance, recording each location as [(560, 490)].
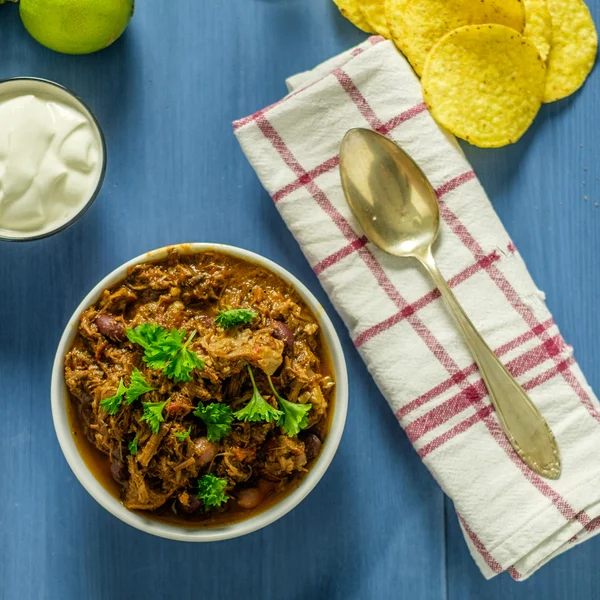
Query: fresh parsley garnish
[(113, 404), (295, 415), (146, 335), (183, 361), (211, 490), (182, 436), (217, 417), (258, 409), (153, 414), (165, 350), (226, 319), (133, 445), (137, 386)]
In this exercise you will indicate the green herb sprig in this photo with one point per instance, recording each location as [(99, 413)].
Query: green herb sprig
[(166, 351), (182, 435), (211, 490), (133, 445), (217, 418), (153, 414), (113, 404), (226, 319), (258, 409), (295, 415), (137, 386)]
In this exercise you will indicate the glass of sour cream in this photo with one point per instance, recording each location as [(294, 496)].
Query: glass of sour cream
[(52, 158)]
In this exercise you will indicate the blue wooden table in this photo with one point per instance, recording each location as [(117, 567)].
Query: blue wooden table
[(377, 526)]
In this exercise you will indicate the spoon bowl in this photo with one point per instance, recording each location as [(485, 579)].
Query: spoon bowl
[(374, 169)]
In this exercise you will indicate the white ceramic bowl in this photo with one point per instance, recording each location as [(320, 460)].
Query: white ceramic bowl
[(59, 397), (50, 90)]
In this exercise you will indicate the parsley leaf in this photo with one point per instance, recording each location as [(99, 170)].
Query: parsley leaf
[(183, 361), (182, 436), (153, 339), (146, 335), (113, 404), (133, 445), (211, 490), (153, 414), (165, 350), (217, 417), (258, 409), (227, 319), (137, 386), (295, 415)]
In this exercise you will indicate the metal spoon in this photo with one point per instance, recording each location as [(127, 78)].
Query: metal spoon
[(398, 210)]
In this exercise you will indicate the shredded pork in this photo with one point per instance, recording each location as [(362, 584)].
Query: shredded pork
[(186, 292)]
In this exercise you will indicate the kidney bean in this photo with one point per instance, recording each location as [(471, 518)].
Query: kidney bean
[(250, 498), (265, 486), (119, 472), (312, 446), (190, 508), (205, 451), (282, 332), (206, 320), (109, 327)]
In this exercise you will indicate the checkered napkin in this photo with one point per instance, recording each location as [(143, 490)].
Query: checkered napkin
[(512, 519)]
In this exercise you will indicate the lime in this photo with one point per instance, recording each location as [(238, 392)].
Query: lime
[(76, 26)]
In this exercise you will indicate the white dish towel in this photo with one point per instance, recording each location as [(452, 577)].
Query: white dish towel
[(512, 519)]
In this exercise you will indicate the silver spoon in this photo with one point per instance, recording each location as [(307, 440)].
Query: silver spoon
[(398, 210)]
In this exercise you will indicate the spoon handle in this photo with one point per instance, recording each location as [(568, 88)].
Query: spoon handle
[(525, 428)]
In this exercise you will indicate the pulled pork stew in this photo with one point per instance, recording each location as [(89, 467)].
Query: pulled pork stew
[(200, 384)]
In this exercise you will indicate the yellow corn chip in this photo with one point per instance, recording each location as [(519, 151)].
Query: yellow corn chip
[(574, 47), (485, 83), (416, 25), (351, 10), (374, 13), (538, 25)]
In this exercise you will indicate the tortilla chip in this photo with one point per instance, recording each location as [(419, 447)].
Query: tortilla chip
[(374, 13), (574, 48), (538, 25), (351, 10), (416, 25), (485, 83)]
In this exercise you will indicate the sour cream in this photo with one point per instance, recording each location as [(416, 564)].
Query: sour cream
[(51, 157)]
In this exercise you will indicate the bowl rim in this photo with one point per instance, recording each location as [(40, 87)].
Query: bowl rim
[(189, 533), (96, 192)]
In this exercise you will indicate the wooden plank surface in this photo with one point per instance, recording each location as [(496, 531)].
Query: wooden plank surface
[(375, 527), (166, 95)]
